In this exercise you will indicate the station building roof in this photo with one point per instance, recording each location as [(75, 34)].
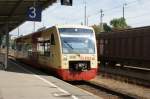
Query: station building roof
[(13, 12)]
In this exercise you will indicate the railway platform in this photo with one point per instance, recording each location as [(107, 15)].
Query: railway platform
[(18, 82)]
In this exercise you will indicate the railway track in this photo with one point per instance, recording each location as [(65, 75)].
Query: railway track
[(127, 74), (100, 90)]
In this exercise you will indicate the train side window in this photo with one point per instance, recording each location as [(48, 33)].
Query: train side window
[(44, 48), (47, 48), (18, 47), (52, 39), (41, 48)]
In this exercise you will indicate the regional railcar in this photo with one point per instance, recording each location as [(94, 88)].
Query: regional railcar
[(130, 47), (67, 50)]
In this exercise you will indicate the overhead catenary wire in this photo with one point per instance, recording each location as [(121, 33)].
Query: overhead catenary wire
[(140, 22), (111, 9), (106, 12), (109, 13), (137, 16)]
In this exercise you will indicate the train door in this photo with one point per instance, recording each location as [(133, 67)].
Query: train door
[(54, 49), (44, 49)]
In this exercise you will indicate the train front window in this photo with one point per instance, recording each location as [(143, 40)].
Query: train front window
[(77, 40)]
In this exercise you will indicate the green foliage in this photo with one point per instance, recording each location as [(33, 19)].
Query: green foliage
[(119, 23), (106, 28), (96, 28), (116, 24)]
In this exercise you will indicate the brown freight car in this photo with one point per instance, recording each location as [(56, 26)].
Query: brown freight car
[(129, 47)]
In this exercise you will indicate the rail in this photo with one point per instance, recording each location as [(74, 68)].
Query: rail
[(101, 91)]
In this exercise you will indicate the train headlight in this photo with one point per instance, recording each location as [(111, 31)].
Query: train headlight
[(93, 57), (65, 58)]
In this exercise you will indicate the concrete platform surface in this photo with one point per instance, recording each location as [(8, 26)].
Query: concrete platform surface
[(21, 83)]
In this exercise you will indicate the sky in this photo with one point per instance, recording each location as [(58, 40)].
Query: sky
[(137, 14)]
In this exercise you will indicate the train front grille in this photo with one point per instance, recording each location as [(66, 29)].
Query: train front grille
[(79, 65)]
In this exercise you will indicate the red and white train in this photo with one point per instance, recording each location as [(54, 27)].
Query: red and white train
[(67, 50)]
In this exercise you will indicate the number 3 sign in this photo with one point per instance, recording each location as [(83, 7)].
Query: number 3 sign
[(34, 14)]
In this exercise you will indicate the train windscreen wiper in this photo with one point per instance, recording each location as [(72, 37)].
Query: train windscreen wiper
[(68, 44)]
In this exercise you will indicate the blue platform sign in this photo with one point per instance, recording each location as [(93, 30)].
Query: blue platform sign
[(34, 13)]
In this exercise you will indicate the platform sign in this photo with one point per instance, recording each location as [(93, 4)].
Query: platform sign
[(66, 2), (34, 13)]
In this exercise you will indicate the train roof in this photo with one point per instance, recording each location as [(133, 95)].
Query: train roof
[(128, 30), (73, 26), (57, 26)]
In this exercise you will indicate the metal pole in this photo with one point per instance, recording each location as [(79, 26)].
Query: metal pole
[(18, 31), (34, 26), (7, 46), (101, 20), (87, 21), (85, 14), (124, 10), (34, 4)]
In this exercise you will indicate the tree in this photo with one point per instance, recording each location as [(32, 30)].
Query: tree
[(119, 23), (106, 28), (96, 28)]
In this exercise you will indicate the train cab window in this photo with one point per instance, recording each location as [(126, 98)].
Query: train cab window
[(52, 39)]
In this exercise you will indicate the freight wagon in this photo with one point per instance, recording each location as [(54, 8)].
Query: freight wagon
[(130, 47)]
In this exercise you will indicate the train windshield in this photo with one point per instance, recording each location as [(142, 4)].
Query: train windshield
[(77, 40)]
